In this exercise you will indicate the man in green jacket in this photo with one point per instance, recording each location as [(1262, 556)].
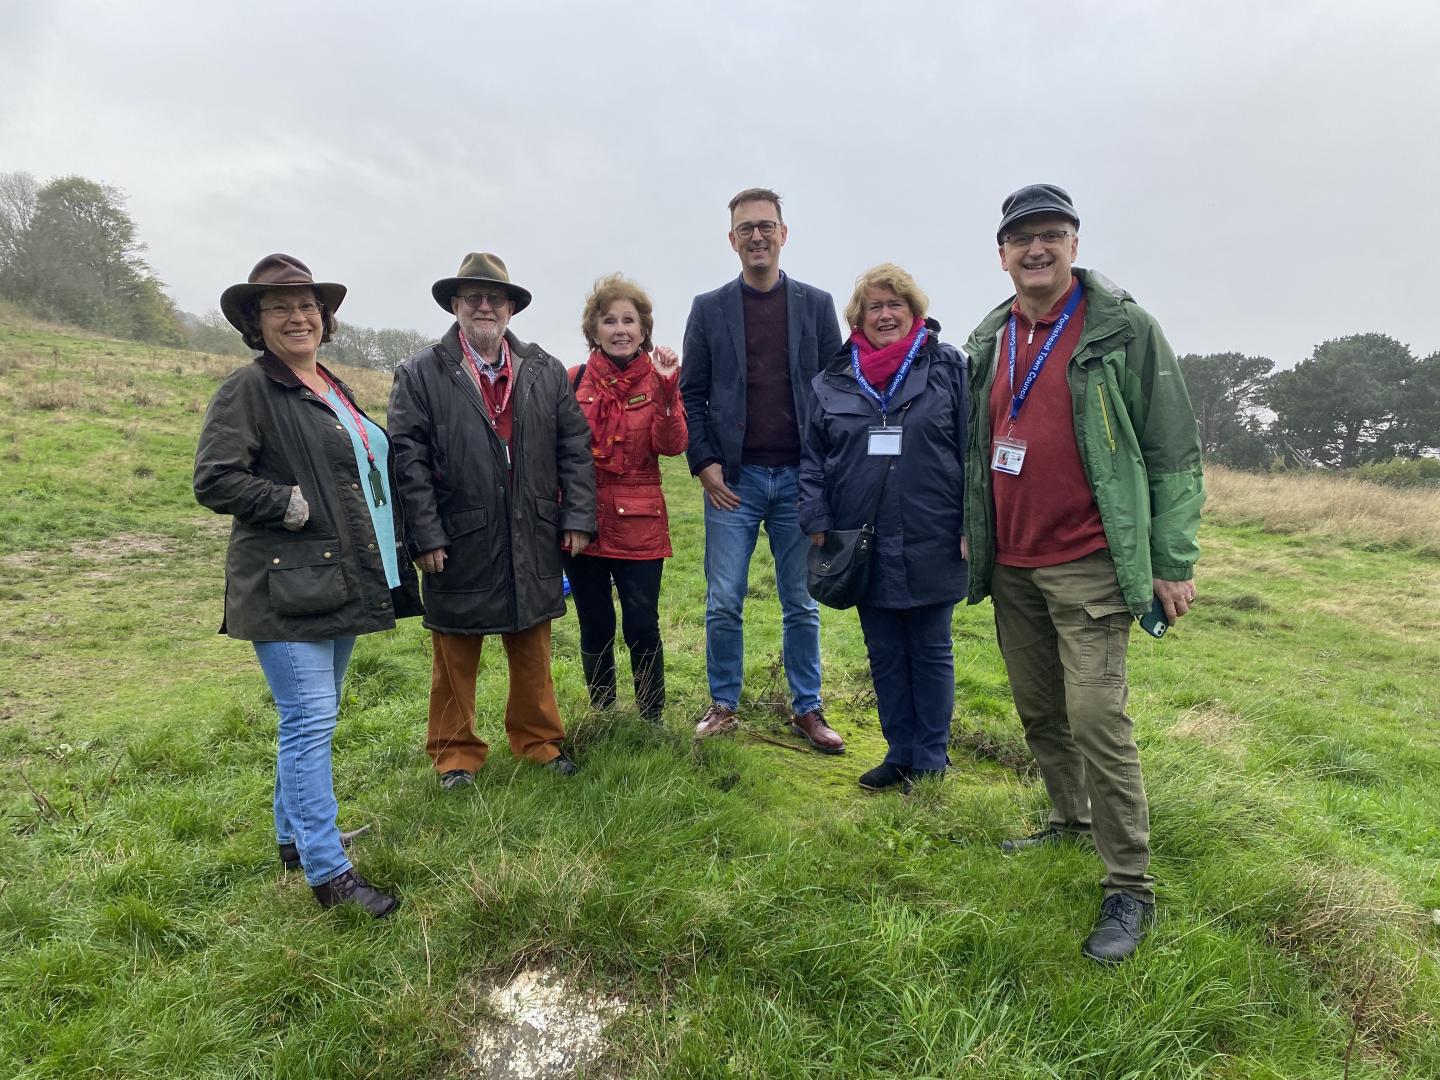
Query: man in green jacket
[(1083, 494)]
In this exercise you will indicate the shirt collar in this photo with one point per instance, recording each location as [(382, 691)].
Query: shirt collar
[(1048, 319)]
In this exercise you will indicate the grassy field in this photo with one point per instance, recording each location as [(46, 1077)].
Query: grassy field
[(766, 920)]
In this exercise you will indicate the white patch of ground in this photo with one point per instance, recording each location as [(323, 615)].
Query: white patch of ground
[(546, 1028)]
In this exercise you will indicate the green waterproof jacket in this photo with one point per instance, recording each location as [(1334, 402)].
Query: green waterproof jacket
[(1137, 436)]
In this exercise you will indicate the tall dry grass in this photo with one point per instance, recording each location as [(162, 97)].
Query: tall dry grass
[(1319, 504)]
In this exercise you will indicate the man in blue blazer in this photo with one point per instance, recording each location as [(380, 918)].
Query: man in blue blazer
[(751, 348)]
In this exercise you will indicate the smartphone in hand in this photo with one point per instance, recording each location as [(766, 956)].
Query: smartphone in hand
[(1153, 622)]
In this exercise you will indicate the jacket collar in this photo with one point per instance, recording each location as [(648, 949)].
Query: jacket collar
[(839, 373), (1104, 316), (277, 371)]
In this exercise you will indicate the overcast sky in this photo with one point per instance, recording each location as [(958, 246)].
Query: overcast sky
[(1241, 168)]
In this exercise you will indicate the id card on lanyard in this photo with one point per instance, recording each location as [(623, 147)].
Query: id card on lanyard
[(885, 439), (1008, 453), (376, 482)]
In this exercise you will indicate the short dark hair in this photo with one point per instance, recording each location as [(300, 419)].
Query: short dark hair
[(250, 320), (757, 194)]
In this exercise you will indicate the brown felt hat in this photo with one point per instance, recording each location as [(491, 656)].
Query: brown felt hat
[(483, 269), (273, 272)]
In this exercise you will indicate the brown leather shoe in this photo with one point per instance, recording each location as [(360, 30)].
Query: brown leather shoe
[(718, 720), (817, 733)]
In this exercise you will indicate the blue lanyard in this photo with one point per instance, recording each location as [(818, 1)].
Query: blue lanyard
[(884, 402), (1017, 397)]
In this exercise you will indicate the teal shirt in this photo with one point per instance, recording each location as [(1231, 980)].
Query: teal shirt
[(380, 516)]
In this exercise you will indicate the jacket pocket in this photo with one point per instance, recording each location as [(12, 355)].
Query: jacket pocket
[(637, 524), (547, 537), (305, 578), (469, 560)]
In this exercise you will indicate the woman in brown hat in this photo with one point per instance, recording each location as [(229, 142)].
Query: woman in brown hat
[(313, 559)]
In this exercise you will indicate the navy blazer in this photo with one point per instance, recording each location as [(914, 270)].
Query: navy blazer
[(712, 375)]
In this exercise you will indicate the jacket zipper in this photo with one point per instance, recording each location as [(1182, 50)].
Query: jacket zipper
[(1105, 415)]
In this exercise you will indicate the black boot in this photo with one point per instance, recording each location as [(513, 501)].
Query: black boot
[(648, 668), (351, 888), (599, 677)]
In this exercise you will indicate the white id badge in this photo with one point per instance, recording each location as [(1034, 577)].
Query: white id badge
[(884, 442), (1009, 455)]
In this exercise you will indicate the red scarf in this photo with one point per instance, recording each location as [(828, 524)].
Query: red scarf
[(879, 365), (613, 386)]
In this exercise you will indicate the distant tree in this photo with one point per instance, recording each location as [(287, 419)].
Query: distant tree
[(381, 349), (1419, 410), (212, 333), (1225, 390), (1341, 407), (80, 260), (19, 192), (394, 347)]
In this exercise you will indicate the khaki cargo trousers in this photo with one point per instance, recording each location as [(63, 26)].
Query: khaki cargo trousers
[(1063, 631)]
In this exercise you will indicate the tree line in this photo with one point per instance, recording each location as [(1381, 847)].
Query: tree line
[(1357, 399), (71, 253)]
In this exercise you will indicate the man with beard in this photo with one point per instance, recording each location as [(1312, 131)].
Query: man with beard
[(1083, 493), (751, 348), (494, 476)]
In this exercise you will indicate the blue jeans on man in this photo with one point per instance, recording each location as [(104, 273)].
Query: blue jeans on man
[(305, 679), (767, 497)]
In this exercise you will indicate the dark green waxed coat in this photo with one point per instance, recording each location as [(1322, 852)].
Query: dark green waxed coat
[(1137, 435), (501, 534), (264, 433)]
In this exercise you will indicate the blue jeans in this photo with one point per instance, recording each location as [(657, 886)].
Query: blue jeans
[(305, 678), (912, 664), (767, 496)]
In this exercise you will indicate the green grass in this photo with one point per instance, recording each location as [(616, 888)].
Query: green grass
[(767, 920)]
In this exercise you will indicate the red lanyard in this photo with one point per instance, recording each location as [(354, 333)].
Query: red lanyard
[(354, 415), (474, 359)]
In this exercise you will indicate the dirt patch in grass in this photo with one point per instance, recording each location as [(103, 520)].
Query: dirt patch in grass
[(1214, 726), (544, 1027), (108, 550), (1013, 754)]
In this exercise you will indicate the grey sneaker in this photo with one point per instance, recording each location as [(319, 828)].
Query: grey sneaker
[(718, 720), (1046, 837), (457, 778)]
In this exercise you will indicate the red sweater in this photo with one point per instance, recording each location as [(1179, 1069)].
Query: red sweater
[(1046, 515)]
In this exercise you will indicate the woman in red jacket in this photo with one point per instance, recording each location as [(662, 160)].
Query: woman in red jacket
[(631, 397)]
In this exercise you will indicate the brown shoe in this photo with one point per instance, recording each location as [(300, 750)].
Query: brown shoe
[(717, 720), (817, 733)]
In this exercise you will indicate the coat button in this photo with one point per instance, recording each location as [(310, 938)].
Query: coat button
[(385, 604), (354, 487), (370, 546), (620, 509), (275, 561), (327, 554), (339, 428)]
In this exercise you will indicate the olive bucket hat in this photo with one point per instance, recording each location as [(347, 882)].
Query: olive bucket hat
[(273, 272), (481, 268)]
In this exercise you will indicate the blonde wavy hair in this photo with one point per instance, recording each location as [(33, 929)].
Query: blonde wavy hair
[(607, 290), (886, 276)]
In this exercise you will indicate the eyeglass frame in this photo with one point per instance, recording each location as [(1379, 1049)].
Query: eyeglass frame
[(291, 309), (1049, 238), (495, 296), (746, 229)]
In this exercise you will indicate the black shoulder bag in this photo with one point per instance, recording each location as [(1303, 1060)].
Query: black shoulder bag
[(838, 572)]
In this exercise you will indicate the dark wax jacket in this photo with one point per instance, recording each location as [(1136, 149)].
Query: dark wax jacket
[(712, 378), (916, 560), (630, 506), (500, 530), (264, 433)]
